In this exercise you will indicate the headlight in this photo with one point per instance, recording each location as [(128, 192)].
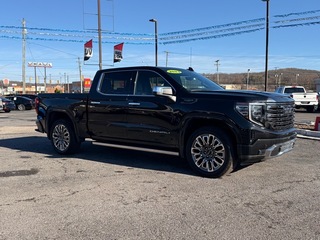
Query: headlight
[(255, 112)]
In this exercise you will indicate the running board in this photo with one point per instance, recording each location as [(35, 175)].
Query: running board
[(136, 148)]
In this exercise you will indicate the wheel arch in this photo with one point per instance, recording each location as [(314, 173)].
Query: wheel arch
[(193, 124), (54, 115)]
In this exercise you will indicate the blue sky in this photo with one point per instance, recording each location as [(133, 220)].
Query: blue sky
[(57, 31)]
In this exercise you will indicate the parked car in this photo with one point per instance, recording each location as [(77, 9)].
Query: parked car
[(31, 96), (22, 103), (7, 104)]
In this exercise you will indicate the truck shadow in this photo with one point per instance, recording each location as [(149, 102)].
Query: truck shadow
[(103, 154)]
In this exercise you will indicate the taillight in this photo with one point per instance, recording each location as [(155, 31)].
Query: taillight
[(36, 105)]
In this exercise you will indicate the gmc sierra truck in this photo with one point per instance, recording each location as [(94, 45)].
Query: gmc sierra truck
[(172, 109)]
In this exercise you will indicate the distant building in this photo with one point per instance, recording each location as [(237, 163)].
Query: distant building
[(17, 88)]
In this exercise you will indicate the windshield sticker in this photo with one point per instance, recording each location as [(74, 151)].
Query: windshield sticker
[(174, 71)]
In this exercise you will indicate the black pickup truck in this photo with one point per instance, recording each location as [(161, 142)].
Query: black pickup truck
[(171, 109)]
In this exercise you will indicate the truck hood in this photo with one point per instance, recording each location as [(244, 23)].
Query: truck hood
[(245, 96)]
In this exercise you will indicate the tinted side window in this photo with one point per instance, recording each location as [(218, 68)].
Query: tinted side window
[(117, 82), (146, 80)]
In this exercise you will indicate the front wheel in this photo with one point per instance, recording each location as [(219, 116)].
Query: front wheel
[(209, 152), (63, 137)]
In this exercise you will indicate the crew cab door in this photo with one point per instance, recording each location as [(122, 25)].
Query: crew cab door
[(151, 119), (107, 107)]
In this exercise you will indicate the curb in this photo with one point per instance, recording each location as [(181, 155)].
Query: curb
[(302, 133)]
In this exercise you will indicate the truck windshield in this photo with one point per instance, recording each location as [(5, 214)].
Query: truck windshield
[(192, 81)]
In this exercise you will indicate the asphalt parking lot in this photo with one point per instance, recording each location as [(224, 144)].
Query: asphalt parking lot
[(112, 193)]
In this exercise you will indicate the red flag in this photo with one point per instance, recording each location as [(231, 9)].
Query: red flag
[(88, 50), (117, 56)]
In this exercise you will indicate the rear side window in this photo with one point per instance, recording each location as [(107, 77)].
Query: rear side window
[(117, 82)]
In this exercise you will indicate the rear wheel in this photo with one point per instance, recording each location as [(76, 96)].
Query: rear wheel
[(63, 137), (21, 107), (209, 152), (311, 109)]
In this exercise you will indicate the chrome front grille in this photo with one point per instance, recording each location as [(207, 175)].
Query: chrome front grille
[(279, 116)]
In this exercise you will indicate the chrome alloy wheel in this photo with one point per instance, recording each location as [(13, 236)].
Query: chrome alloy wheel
[(61, 137), (208, 152)]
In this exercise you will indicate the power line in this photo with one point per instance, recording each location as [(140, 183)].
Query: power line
[(197, 34)]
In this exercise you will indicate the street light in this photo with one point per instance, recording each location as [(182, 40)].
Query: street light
[(297, 75), (267, 46), (217, 64), (248, 78), (156, 38)]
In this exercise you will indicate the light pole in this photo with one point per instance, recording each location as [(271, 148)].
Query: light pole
[(167, 56), (156, 38), (248, 78), (297, 75), (267, 46), (280, 76), (217, 64)]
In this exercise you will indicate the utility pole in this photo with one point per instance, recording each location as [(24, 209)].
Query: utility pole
[(45, 79), (65, 82), (99, 35), (267, 47), (35, 80), (68, 84), (24, 33), (80, 73)]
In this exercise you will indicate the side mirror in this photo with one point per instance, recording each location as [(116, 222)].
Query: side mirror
[(164, 91)]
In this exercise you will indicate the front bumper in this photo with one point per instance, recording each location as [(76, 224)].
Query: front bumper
[(266, 148), (278, 149)]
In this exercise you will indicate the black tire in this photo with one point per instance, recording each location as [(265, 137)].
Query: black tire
[(21, 107), (209, 152), (63, 137), (311, 109)]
